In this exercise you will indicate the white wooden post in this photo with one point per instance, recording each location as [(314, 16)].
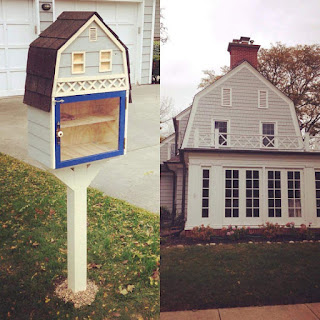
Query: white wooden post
[(77, 180), (216, 138), (77, 238), (307, 141)]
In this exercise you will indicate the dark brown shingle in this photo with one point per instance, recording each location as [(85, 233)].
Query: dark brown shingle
[(42, 57)]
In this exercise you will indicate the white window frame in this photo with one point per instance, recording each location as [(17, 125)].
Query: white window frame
[(105, 60), (267, 100), (213, 128), (222, 104), (208, 188), (275, 134), (78, 63), (96, 34)]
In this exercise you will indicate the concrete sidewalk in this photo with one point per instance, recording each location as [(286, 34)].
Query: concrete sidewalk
[(308, 311), (134, 177)]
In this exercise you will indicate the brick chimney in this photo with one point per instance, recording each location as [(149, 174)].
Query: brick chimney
[(243, 50)]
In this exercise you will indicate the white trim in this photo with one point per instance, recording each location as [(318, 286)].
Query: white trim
[(83, 62), (88, 78), (152, 40), (101, 60), (222, 96), (168, 138), (54, 10), (181, 115), (220, 81), (259, 100), (139, 44), (37, 16), (275, 134), (221, 119)]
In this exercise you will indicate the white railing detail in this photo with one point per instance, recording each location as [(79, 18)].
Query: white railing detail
[(67, 87), (240, 141)]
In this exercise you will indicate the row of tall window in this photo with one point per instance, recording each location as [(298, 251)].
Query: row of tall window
[(252, 193)]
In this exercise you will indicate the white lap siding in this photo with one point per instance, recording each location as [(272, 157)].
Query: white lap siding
[(219, 163), (244, 115)]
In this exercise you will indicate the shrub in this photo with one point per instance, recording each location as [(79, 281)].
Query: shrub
[(272, 230), (202, 233), (235, 233)]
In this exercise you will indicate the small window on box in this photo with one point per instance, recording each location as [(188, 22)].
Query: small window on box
[(93, 36), (105, 60), (78, 62)]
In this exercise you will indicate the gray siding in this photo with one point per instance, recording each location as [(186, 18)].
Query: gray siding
[(165, 147), (39, 140), (166, 185), (147, 45), (46, 17), (182, 127), (92, 55), (244, 114)]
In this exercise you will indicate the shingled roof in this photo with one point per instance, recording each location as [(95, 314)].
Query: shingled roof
[(42, 57)]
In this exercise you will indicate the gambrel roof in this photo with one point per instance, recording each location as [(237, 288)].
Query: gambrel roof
[(219, 82), (42, 56)]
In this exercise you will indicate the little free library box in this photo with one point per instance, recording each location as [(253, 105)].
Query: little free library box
[(77, 91)]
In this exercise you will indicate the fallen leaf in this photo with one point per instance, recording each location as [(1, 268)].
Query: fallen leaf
[(35, 244), (130, 287), (125, 261), (123, 291), (46, 300)]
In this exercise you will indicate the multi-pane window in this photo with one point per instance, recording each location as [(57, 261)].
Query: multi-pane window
[(294, 194), (232, 193), (268, 135), (317, 176), (205, 192), (252, 193), (78, 62), (274, 194), (105, 60), (222, 127), (226, 97)]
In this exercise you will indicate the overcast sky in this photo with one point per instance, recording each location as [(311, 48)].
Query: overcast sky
[(199, 33)]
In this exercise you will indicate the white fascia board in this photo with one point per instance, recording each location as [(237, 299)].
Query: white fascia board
[(168, 139), (183, 113)]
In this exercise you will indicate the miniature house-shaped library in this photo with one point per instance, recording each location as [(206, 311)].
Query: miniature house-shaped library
[(77, 90)]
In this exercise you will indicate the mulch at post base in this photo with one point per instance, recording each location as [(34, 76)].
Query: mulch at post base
[(79, 299)]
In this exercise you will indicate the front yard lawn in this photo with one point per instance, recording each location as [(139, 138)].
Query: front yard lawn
[(236, 275), (123, 250)]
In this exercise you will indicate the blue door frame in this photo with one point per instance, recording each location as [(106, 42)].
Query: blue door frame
[(96, 96)]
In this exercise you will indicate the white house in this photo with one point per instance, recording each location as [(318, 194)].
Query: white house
[(239, 156), (21, 21)]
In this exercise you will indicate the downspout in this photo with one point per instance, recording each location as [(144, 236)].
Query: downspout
[(184, 172), (173, 214)]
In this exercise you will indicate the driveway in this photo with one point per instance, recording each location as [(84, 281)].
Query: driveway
[(134, 177)]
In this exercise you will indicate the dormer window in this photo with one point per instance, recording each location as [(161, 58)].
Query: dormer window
[(93, 34), (226, 97), (78, 62), (105, 60), (263, 99)]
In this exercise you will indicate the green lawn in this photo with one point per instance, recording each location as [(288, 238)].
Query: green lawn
[(123, 249), (233, 275)]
